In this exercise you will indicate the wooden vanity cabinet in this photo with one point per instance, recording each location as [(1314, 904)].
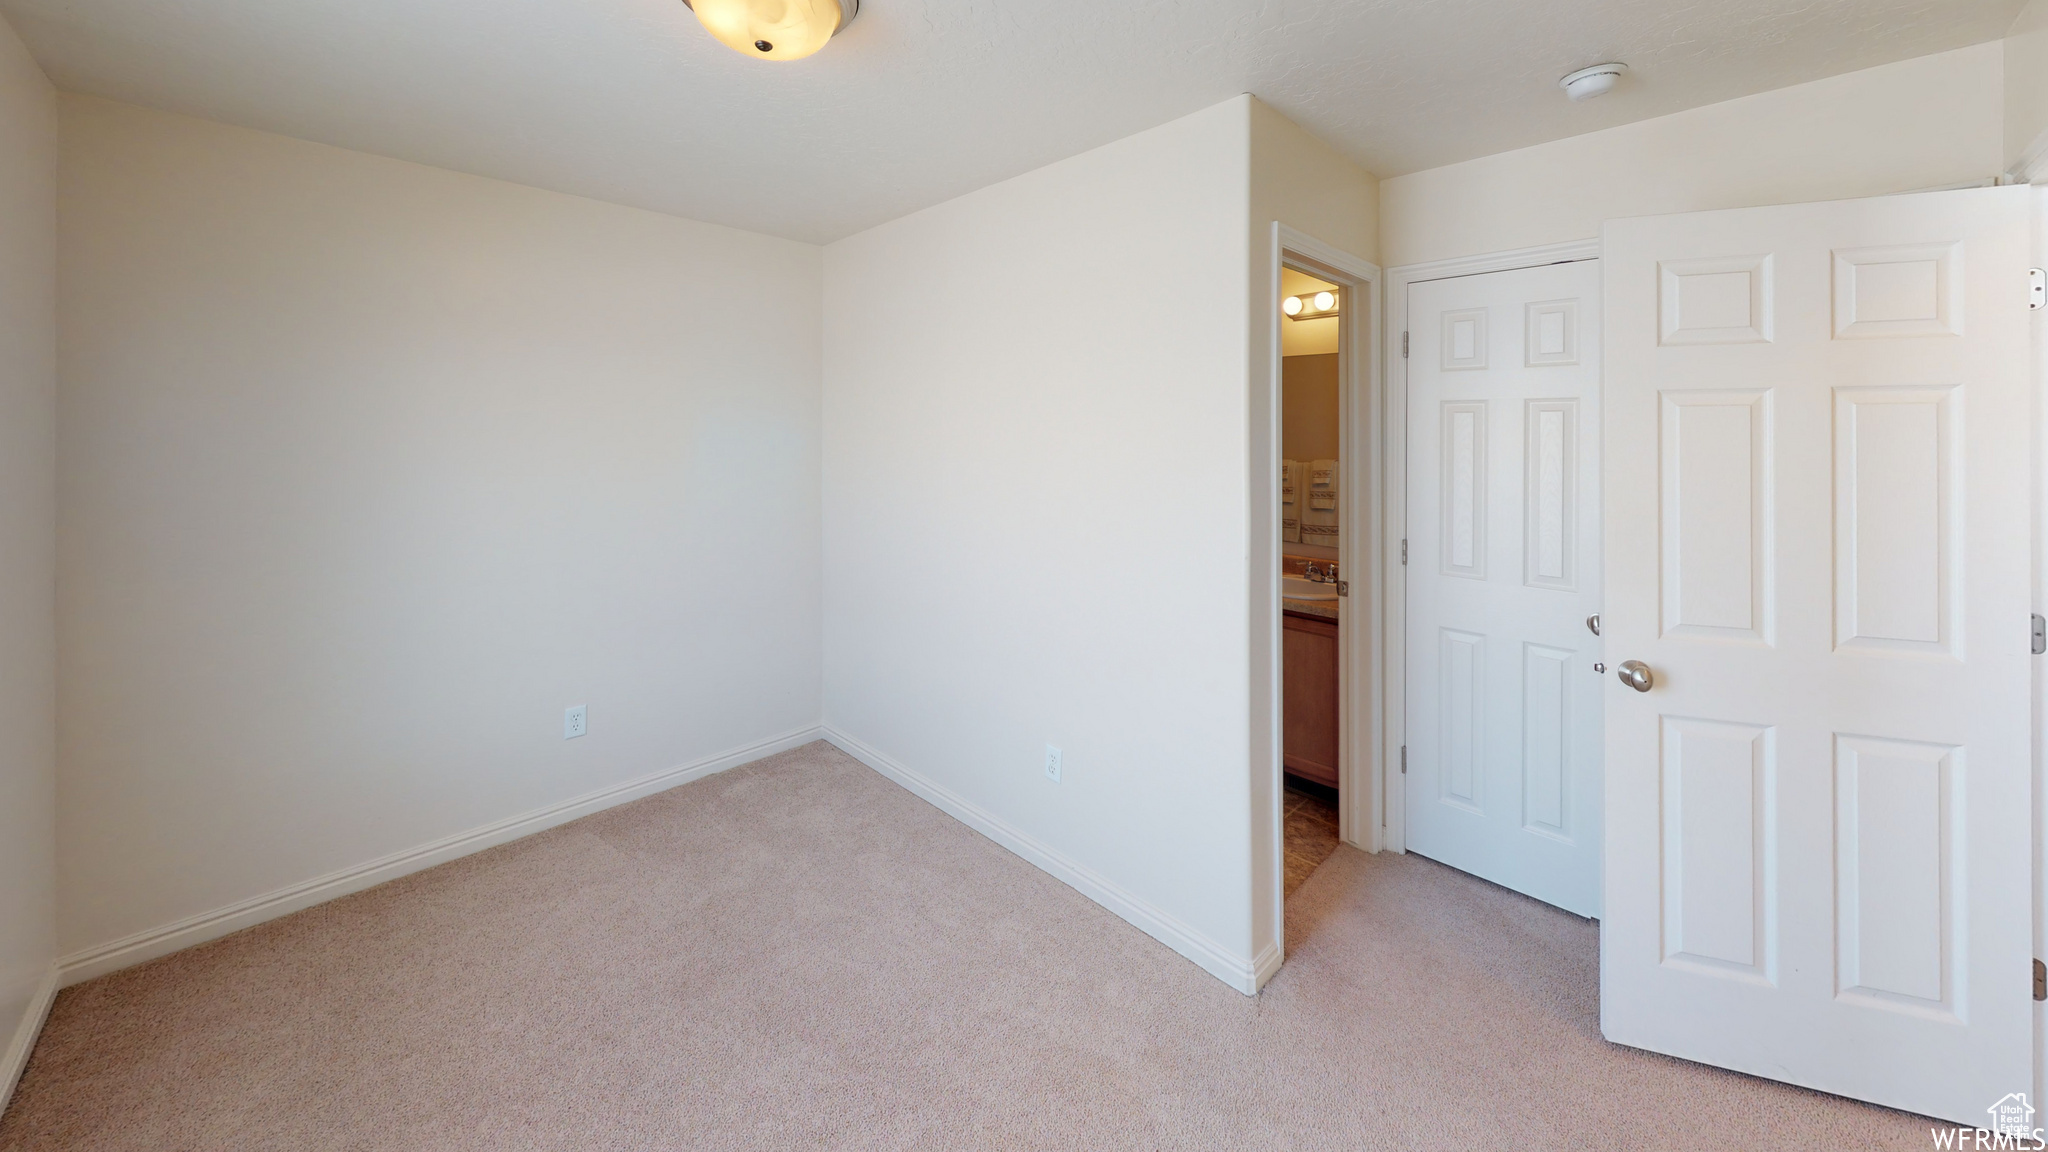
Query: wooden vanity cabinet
[(1309, 693)]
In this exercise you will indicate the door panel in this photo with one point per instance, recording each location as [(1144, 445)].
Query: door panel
[(1464, 490), (1552, 455), (1895, 479), (1715, 482), (1894, 857), (1817, 819), (1717, 814), (1504, 531)]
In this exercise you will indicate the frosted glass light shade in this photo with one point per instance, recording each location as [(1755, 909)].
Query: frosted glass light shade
[(1291, 305), (774, 29)]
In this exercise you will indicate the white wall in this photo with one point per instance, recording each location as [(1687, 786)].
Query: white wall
[(2026, 88), (367, 470), (28, 540), (1036, 523), (1920, 123)]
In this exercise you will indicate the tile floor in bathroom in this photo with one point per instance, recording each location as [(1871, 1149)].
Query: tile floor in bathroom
[(1309, 816)]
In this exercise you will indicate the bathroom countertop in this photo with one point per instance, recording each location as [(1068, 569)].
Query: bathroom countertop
[(1326, 609)]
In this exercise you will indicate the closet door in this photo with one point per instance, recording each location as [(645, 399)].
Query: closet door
[(1503, 724)]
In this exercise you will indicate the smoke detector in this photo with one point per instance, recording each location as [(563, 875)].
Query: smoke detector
[(1587, 83)]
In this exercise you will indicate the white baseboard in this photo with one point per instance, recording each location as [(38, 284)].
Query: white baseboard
[(148, 945), (1244, 975), (1267, 964), (15, 1059)]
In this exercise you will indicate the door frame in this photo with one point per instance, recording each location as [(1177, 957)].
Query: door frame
[(1390, 782), (1361, 448), (2034, 168)]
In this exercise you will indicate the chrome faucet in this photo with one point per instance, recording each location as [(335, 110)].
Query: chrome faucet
[(1320, 574)]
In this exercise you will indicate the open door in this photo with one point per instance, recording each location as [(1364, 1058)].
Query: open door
[(1818, 832)]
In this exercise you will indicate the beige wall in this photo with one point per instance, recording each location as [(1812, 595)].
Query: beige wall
[(1004, 456), (28, 541), (1311, 187), (1919, 123), (1308, 407), (367, 471), (2026, 87)]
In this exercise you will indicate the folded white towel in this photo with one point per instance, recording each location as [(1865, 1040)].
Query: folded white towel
[(1319, 516), (1291, 475)]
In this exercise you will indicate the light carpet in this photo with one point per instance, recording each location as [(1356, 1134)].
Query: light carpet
[(799, 954)]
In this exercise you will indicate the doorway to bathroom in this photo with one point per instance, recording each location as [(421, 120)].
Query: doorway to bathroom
[(1320, 572), (1311, 569)]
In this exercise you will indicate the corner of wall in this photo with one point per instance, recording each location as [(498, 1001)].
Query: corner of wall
[(1301, 183), (14, 1058), (956, 628), (28, 510), (2025, 82), (1310, 186)]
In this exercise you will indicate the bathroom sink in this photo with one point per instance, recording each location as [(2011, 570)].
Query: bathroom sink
[(1298, 588)]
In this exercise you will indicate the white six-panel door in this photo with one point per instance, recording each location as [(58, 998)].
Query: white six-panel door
[(1818, 830), (1503, 706)]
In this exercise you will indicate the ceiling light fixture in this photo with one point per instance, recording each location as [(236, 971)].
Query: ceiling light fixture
[(1587, 83), (774, 29)]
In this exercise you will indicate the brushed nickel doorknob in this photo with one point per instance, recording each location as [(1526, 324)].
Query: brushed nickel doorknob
[(1636, 675)]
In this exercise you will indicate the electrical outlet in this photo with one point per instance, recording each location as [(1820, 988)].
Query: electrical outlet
[(575, 721), (1052, 763)]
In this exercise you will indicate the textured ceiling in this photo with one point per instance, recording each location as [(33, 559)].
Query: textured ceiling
[(922, 100)]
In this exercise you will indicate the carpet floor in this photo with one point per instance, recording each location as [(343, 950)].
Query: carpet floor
[(799, 954)]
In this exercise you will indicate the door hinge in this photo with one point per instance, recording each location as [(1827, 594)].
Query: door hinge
[(2037, 294), (2040, 634), (1404, 345), (1404, 552), (2040, 981), (1404, 772)]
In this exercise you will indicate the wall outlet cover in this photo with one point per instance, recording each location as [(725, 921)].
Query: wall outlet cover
[(575, 721), (1052, 763)]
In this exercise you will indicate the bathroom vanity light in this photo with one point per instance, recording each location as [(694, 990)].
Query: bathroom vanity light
[(774, 29), (1311, 307)]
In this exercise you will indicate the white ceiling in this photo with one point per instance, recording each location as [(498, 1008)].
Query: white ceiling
[(922, 100)]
